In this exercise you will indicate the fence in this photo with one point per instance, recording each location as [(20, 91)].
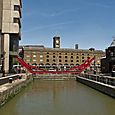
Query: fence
[(4, 80), (100, 78)]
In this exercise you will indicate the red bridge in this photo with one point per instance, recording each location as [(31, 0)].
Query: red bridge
[(73, 70)]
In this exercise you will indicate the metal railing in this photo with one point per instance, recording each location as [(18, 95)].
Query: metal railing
[(99, 78), (6, 79)]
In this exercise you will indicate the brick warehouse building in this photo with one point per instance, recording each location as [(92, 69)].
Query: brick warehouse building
[(40, 55)]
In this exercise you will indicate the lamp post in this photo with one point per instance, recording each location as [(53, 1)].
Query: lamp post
[(2, 60), (94, 65), (98, 66)]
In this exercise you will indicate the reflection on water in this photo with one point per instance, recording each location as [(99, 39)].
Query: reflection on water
[(59, 98)]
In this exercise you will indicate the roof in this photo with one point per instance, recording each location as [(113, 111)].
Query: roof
[(32, 46), (113, 43), (62, 49)]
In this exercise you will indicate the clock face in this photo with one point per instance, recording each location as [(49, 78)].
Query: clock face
[(57, 41), (57, 46)]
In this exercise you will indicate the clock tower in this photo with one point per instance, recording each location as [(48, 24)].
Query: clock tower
[(56, 42)]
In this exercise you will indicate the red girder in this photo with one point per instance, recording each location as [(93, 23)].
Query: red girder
[(82, 65), (72, 70)]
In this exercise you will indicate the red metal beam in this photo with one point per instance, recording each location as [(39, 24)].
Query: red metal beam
[(73, 70)]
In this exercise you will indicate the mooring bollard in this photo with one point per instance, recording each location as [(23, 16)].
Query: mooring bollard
[(10, 80), (20, 77)]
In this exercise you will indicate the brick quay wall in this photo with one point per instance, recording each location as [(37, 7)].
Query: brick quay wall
[(102, 83), (9, 90), (55, 77)]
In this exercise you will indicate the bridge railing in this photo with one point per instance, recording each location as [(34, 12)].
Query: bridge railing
[(99, 78)]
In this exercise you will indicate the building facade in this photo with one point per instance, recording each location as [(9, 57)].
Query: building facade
[(40, 55), (10, 25), (108, 63)]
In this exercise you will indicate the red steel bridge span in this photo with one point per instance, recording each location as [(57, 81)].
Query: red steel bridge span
[(73, 70)]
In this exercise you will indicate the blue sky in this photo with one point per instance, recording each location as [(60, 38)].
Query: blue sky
[(89, 23)]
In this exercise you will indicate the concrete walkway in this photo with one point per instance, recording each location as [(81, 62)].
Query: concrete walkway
[(9, 85), (14, 82)]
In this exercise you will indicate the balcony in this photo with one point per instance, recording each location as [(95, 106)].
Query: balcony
[(17, 9)]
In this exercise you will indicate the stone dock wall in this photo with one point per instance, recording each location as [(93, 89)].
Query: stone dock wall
[(103, 84), (9, 90)]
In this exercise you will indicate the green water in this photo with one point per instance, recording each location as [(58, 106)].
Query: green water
[(59, 98)]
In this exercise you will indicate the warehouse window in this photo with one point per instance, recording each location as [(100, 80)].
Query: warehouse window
[(54, 60), (65, 60), (47, 60), (65, 56), (47, 56), (41, 60), (82, 57), (41, 56), (34, 55), (77, 61), (71, 60), (83, 60), (34, 60), (59, 60), (65, 53)]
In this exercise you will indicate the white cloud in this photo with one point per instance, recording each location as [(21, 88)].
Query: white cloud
[(48, 26)]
